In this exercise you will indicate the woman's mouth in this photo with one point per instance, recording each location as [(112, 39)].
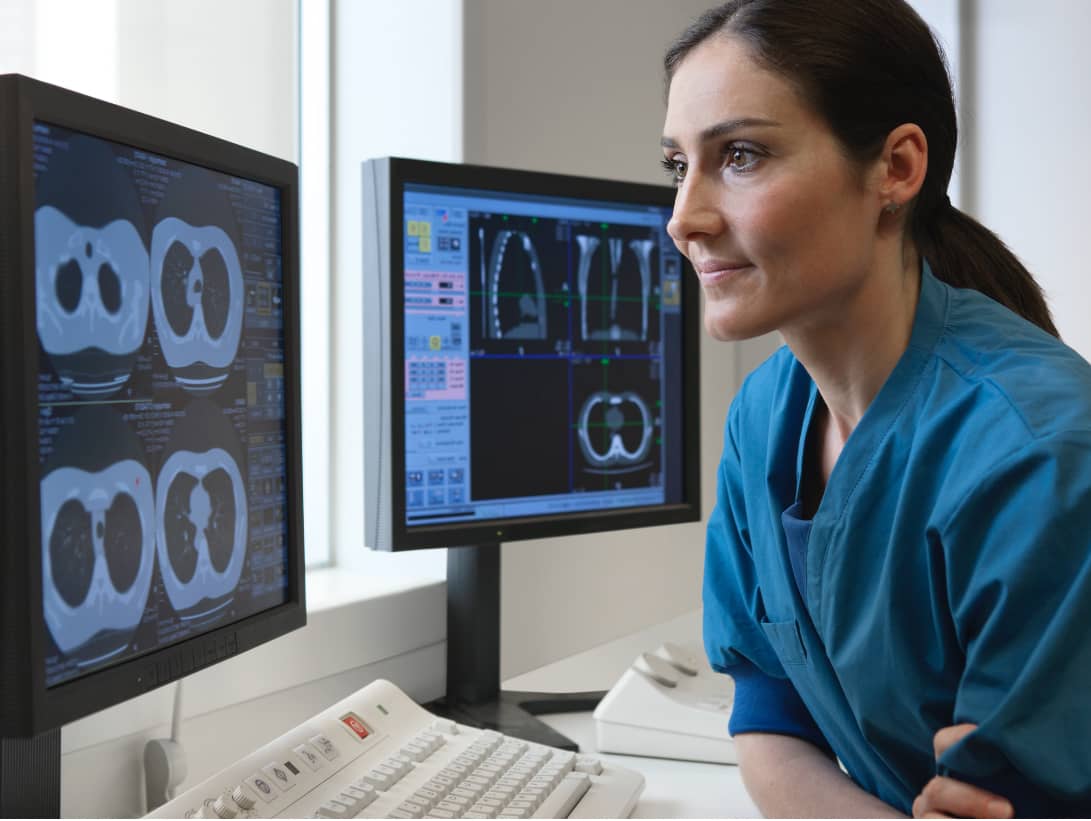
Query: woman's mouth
[(715, 271)]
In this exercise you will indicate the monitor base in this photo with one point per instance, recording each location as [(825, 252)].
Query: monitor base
[(514, 713)]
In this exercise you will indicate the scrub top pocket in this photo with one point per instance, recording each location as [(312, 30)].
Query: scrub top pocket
[(786, 641)]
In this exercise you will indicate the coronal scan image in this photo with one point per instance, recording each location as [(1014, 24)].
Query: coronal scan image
[(91, 268), (98, 536), (201, 512), (196, 282), (617, 426), (518, 280), (615, 279)]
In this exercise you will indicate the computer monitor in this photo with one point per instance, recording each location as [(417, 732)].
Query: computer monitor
[(530, 370), (150, 429)]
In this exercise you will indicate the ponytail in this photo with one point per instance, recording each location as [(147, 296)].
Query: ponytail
[(965, 254)]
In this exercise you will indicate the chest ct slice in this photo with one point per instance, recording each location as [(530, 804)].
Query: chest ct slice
[(98, 550), (196, 293), (201, 519), (92, 294)]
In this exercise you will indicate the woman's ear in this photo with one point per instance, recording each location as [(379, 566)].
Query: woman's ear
[(902, 166)]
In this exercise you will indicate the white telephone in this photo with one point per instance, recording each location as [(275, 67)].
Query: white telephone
[(669, 704)]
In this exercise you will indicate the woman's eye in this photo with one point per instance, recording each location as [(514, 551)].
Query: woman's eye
[(676, 169), (740, 158)]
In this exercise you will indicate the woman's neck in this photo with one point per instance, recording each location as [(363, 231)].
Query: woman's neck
[(851, 353)]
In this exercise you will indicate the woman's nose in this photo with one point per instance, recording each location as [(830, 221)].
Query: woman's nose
[(696, 212)]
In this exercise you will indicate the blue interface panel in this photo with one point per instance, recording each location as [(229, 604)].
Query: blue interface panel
[(542, 356)]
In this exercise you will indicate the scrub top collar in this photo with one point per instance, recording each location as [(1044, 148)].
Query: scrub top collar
[(883, 413)]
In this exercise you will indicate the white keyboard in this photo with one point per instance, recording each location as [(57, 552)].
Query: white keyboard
[(377, 754)]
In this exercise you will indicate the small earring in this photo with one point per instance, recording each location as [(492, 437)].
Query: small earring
[(891, 208)]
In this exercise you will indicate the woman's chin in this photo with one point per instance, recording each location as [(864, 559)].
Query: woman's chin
[(729, 326)]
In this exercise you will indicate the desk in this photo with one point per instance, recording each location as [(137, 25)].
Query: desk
[(673, 789)]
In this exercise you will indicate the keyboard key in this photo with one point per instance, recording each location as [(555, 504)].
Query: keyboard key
[(489, 806), (585, 764), (278, 774), (443, 725), (379, 779), (413, 809), (326, 747), (427, 797), (568, 793), (398, 768), (262, 787), (364, 797), (310, 756), (334, 809)]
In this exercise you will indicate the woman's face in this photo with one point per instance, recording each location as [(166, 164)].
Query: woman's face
[(779, 225)]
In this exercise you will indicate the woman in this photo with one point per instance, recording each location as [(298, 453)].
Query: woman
[(897, 571)]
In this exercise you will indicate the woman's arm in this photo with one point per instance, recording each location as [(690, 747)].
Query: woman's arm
[(788, 777)]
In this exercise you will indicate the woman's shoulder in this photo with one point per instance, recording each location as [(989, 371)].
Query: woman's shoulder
[(995, 354)]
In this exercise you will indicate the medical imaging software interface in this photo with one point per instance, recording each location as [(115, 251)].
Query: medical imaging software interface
[(542, 356), (161, 410)]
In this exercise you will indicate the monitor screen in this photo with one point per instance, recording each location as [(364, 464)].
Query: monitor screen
[(153, 438), (161, 418), (542, 355)]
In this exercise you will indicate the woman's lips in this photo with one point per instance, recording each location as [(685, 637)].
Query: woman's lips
[(712, 272)]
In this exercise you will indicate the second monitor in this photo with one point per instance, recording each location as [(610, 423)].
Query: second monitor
[(531, 357), (530, 369)]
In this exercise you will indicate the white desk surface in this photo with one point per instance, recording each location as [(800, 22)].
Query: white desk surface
[(673, 789)]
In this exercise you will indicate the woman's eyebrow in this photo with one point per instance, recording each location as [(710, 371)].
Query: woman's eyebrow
[(722, 129)]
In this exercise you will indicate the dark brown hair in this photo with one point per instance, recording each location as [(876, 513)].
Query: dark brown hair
[(868, 66)]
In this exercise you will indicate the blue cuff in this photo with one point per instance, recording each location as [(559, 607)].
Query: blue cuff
[(771, 705)]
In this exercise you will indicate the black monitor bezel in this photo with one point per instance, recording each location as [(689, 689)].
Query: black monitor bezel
[(28, 706), (534, 183)]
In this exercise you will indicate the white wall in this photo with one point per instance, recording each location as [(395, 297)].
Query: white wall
[(226, 68), (1032, 125)]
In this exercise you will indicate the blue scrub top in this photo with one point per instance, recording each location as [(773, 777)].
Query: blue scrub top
[(947, 572)]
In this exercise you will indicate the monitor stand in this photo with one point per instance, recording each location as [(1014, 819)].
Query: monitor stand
[(473, 695), (30, 776)]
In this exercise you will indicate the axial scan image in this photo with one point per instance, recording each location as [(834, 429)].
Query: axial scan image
[(98, 535), (201, 511), (196, 281), (617, 425), (91, 267)]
